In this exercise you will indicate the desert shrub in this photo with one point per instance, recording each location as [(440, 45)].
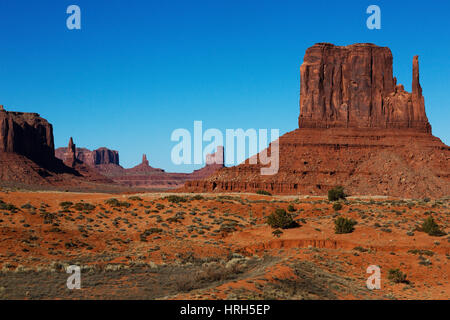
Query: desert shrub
[(65, 204), (277, 233), (396, 276), (263, 192), (27, 206), (431, 227), (290, 208), (337, 206), (344, 225), (336, 193), (176, 199), (113, 202), (134, 198), (8, 206), (81, 206), (281, 219), (143, 236), (198, 197)]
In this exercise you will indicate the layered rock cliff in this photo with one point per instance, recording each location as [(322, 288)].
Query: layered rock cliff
[(357, 128), (354, 87), (27, 134), (27, 155), (93, 158)]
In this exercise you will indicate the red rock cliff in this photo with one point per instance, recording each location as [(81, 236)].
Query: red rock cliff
[(353, 86), (93, 158), (27, 134)]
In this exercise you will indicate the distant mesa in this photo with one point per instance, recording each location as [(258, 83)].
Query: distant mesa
[(106, 162), (357, 128), (27, 154)]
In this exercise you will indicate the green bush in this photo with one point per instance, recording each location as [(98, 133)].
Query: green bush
[(263, 192), (135, 198), (277, 233), (344, 225), (176, 199), (396, 276), (431, 227), (8, 206), (337, 206), (336, 193), (65, 204), (281, 219), (81, 206), (290, 208), (113, 202)]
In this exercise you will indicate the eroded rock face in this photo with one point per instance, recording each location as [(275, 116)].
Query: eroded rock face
[(27, 134), (93, 158), (354, 87), (27, 155), (358, 129)]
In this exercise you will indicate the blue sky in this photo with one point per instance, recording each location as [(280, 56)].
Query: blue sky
[(137, 70)]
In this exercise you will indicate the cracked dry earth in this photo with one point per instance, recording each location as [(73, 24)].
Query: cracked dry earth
[(217, 246)]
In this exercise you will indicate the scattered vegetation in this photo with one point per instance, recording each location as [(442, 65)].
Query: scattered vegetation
[(116, 203), (277, 233), (290, 208), (337, 193), (8, 206), (82, 206), (397, 276), (134, 198), (337, 206), (344, 225), (176, 199), (431, 227), (263, 192), (281, 219)]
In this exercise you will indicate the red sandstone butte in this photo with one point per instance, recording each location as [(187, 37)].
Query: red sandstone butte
[(357, 128), (27, 154), (145, 176)]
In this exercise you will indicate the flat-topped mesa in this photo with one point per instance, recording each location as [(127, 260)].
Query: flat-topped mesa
[(353, 87), (100, 156), (27, 134)]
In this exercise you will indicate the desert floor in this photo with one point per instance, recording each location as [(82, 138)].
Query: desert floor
[(217, 246)]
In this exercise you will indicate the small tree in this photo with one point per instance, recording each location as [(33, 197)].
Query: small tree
[(396, 276), (263, 192), (290, 208), (344, 225), (277, 233), (431, 227), (336, 193), (281, 219)]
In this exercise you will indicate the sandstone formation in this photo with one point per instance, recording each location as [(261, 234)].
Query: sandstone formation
[(145, 176), (354, 87), (357, 128), (27, 134), (27, 155), (91, 158), (106, 162)]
